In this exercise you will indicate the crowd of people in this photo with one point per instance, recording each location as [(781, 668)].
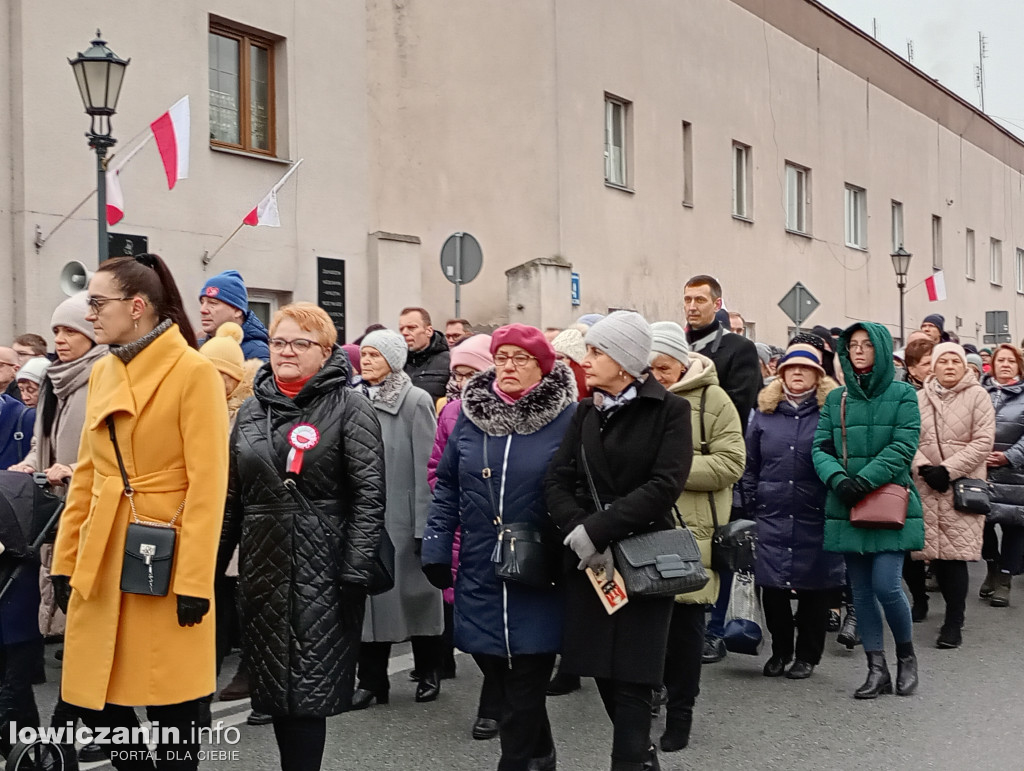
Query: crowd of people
[(327, 500)]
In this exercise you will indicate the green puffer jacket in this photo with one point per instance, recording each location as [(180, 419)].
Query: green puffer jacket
[(714, 473), (883, 427)]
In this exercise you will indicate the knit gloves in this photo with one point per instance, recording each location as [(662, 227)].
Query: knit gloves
[(579, 541), (936, 477)]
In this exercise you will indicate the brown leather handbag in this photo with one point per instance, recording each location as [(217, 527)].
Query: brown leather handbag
[(882, 509)]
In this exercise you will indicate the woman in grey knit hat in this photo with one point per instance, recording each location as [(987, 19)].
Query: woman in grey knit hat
[(635, 439)]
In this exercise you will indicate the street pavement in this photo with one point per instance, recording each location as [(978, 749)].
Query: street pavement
[(967, 713)]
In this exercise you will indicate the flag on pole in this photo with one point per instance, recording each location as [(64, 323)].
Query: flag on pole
[(266, 211), (936, 286), (171, 131), (115, 196)]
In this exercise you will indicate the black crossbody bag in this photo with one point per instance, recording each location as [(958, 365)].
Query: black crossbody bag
[(970, 496), (148, 546)]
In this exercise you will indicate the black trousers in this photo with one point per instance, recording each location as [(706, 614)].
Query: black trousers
[(491, 695), (914, 575), (525, 731), (373, 661), (448, 639), (301, 740), (18, 667), (180, 756), (953, 580), (682, 658), (810, 623), (629, 707), (1009, 554)]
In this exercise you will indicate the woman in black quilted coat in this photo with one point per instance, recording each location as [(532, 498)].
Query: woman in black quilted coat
[(309, 523)]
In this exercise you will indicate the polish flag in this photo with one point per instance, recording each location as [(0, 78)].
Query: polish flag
[(115, 198), (171, 131), (266, 212), (936, 286)]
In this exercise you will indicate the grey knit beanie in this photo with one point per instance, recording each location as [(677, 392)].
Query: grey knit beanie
[(71, 314), (626, 337), (668, 338), (391, 346)]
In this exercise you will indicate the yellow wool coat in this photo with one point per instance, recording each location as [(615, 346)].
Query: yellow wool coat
[(172, 428)]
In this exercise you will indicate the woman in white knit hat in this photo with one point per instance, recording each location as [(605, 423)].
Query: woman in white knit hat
[(635, 439)]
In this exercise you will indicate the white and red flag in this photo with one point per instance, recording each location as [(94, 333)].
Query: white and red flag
[(266, 211), (115, 196), (171, 131), (936, 286)]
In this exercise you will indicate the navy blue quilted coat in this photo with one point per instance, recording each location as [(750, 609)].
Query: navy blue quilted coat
[(491, 616), (784, 493)]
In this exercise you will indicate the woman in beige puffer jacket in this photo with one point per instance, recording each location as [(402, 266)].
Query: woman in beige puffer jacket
[(957, 433)]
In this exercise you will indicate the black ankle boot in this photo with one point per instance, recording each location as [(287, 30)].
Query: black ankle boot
[(363, 698), (429, 687), (848, 633), (677, 730), (906, 669), (879, 680)]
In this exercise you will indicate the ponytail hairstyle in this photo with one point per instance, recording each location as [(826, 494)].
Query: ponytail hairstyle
[(148, 275)]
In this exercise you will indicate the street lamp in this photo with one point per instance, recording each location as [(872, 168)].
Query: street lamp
[(99, 73), (901, 264)]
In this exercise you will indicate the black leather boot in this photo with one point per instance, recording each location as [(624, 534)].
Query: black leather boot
[(906, 669), (429, 687), (879, 680), (677, 730), (848, 633)]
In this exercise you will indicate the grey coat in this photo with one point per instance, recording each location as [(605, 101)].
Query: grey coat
[(1007, 482), (413, 607)]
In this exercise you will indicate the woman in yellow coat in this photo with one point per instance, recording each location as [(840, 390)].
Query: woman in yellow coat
[(124, 650)]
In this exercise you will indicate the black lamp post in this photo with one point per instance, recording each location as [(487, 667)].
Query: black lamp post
[(901, 264), (99, 72)]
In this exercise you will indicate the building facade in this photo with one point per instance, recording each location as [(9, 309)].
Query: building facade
[(764, 143)]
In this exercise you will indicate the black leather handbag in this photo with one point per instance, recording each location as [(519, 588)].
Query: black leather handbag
[(662, 563), (734, 544), (524, 553), (148, 546)]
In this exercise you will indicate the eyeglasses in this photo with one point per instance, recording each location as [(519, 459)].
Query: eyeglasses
[(460, 376), (519, 360), (96, 303), (865, 346), (301, 345)]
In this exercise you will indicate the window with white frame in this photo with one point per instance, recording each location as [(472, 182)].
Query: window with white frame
[(897, 225), (936, 242), (741, 198), (856, 217), (798, 198), (1019, 271), (969, 268), (995, 262), (616, 115)]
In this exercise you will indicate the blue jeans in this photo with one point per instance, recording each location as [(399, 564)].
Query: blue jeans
[(874, 579), (716, 624)]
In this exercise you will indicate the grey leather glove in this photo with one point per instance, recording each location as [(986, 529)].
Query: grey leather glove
[(602, 561), (580, 542)]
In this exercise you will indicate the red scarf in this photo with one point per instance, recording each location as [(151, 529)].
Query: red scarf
[(291, 390)]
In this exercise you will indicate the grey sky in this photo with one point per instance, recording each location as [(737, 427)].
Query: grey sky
[(945, 38)]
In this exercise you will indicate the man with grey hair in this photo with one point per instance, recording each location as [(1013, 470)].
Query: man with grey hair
[(9, 365)]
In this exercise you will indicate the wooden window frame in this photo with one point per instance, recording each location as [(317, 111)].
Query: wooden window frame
[(246, 39)]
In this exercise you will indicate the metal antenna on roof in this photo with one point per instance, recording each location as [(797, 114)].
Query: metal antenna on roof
[(979, 69)]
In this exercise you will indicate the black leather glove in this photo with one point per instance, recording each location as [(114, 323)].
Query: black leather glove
[(851, 491), (417, 546), (191, 610), (936, 477), (61, 591), (439, 575)]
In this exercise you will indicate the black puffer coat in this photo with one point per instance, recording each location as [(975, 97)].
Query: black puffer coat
[(301, 627), (1007, 482), (429, 369)]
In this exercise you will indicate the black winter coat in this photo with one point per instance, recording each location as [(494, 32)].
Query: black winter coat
[(1007, 482), (735, 358), (300, 601), (640, 459), (429, 369)]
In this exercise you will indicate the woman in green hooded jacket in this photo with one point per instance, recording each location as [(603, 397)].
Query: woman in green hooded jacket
[(882, 430)]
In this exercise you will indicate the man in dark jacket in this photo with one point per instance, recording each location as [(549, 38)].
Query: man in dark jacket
[(735, 357), (429, 358), (225, 298), (8, 368)]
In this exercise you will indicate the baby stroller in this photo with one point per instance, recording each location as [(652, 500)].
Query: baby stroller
[(29, 514)]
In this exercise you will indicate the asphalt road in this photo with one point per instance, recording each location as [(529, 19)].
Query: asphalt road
[(967, 714)]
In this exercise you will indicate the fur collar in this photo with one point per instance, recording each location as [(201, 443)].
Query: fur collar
[(244, 389), (530, 414), (772, 395), (130, 350), (388, 394)]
